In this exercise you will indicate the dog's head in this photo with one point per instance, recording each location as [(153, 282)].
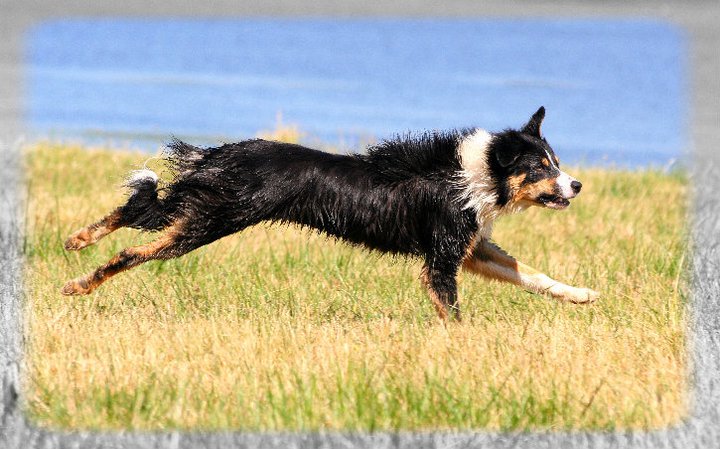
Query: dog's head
[(526, 171)]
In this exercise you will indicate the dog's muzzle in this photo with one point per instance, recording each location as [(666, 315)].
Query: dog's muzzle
[(567, 189)]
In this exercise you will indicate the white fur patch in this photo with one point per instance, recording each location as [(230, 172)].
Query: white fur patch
[(551, 160), (564, 182), (142, 175), (478, 186), (138, 177)]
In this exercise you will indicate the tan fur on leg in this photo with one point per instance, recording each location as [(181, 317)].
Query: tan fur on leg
[(487, 259), (90, 234), (126, 259), (440, 307)]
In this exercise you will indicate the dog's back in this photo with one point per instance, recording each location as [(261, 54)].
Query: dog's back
[(383, 200)]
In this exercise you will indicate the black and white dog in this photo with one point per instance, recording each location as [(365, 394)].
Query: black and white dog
[(434, 196)]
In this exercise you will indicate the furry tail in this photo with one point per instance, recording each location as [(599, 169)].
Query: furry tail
[(144, 209)]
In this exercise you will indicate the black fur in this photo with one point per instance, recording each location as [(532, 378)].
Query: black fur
[(401, 197), (397, 198), (404, 196)]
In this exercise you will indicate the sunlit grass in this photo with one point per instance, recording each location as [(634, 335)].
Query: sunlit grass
[(282, 329)]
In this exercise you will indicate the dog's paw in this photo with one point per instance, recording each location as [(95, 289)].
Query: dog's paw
[(585, 296), (76, 287), (78, 240), (574, 295)]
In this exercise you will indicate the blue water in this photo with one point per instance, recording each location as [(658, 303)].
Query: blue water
[(615, 90)]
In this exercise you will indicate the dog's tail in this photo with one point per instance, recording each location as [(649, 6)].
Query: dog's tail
[(144, 209), (148, 207)]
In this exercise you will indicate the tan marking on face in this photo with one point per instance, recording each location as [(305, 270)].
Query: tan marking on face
[(530, 192), (557, 161), (545, 162), (515, 182)]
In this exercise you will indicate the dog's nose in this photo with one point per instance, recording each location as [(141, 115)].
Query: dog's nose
[(576, 186)]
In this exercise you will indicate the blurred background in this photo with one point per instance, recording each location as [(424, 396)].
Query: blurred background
[(614, 89), (341, 75)]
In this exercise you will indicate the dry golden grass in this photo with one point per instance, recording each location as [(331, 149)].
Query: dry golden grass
[(277, 328)]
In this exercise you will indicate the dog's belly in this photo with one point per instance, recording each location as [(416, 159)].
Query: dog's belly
[(381, 236)]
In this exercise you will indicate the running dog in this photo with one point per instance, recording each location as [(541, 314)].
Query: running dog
[(433, 196)]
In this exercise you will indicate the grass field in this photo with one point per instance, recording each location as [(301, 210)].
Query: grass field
[(282, 329)]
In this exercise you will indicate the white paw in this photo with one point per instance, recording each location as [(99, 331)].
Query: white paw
[(585, 295), (574, 295)]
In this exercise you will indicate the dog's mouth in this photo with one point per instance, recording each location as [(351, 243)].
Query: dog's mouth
[(554, 201)]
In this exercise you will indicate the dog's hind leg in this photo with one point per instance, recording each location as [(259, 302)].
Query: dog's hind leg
[(173, 243), (488, 260), (90, 234), (143, 210)]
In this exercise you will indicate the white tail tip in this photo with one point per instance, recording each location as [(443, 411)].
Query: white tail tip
[(139, 177)]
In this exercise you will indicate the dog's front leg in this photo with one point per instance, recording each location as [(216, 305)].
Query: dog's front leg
[(442, 288), (488, 260)]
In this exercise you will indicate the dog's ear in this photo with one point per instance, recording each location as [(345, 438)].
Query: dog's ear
[(509, 154), (533, 126)]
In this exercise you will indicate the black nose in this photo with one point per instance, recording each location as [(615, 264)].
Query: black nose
[(576, 186)]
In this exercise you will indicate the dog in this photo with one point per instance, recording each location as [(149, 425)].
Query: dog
[(433, 195)]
